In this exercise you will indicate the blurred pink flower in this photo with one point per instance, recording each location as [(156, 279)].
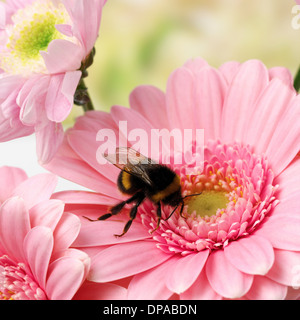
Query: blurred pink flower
[(43, 44), (36, 261), (241, 236)]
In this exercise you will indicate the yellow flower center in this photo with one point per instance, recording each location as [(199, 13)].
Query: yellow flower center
[(5, 297), (34, 37), (33, 28), (207, 203)]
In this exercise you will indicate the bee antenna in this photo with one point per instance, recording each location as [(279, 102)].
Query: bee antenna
[(192, 195), (182, 205)]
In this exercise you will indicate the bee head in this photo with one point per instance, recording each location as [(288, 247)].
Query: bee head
[(174, 199)]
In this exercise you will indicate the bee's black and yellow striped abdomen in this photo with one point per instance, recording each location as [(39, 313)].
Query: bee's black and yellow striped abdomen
[(128, 183)]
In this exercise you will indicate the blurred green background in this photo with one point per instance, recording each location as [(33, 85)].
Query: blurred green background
[(143, 41)]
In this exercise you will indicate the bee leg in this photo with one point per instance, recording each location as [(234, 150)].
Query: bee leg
[(171, 213), (181, 210), (158, 213), (116, 209), (133, 213)]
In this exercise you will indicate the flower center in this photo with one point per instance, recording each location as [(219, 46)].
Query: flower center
[(33, 28), (34, 36), (17, 283), (207, 204), (236, 193)]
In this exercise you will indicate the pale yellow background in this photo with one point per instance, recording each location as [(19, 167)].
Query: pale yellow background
[(143, 41)]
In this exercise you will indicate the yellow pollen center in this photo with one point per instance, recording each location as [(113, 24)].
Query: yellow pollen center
[(208, 203), (33, 29), (4, 297), (34, 37)]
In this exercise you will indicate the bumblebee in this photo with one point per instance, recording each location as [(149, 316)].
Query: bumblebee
[(142, 178)]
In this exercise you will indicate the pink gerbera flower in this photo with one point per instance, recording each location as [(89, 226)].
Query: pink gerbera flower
[(241, 237), (44, 47), (36, 261)]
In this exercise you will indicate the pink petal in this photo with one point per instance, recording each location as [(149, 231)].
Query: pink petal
[(132, 118), (147, 100), (86, 30), (36, 189), (65, 278), (200, 290), (65, 29), (229, 70), (84, 197), (266, 289), (283, 233), (248, 83), (253, 255), (210, 92), (288, 207), (9, 89), (150, 143), (134, 258), (13, 128), (66, 231), (93, 212), (48, 140), (60, 96), (68, 165), (46, 213), (10, 178), (289, 190), (179, 93), (95, 120), (85, 145), (26, 88), (2, 15), (266, 115), (286, 135), (76, 254), (14, 5), (100, 291), (196, 64), (102, 233), (151, 284), (282, 73), (31, 99), (62, 56), (224, 278), (14, 226), (186, 271), (286, 268), (38, 245)]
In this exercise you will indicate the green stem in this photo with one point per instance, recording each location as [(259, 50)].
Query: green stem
[(297, 80), (82, 97)]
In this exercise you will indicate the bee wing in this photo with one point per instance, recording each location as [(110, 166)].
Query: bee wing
[(131, 161)]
